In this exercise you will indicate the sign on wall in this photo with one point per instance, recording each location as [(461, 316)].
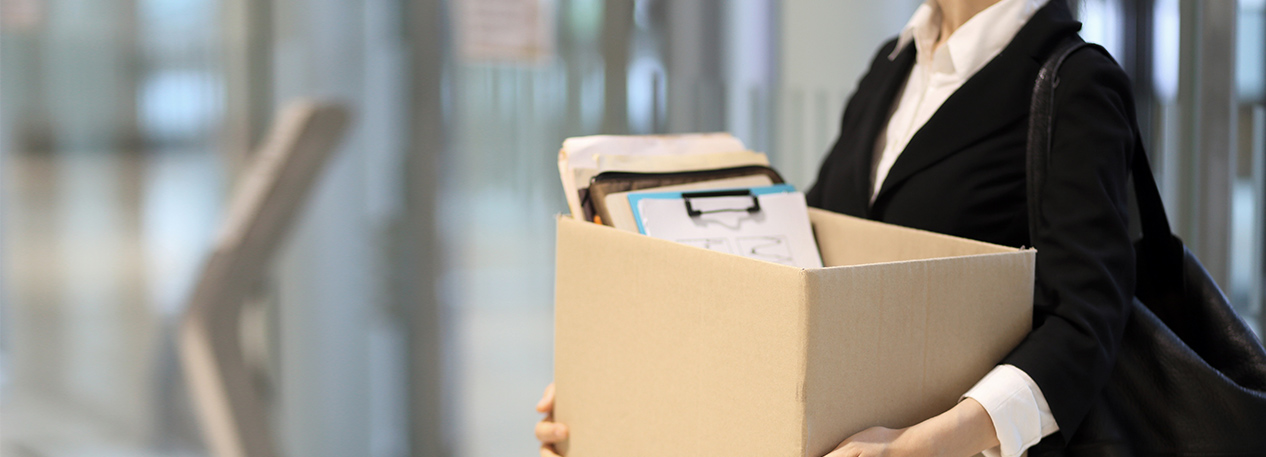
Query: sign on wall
[(515, 31)]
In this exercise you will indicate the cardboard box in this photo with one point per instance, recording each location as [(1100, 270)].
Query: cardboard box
[(671, 350)]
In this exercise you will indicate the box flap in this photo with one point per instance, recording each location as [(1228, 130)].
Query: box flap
[(861, 241)]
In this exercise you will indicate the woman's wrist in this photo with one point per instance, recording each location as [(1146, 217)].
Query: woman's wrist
[(915, 442), (964, 430)]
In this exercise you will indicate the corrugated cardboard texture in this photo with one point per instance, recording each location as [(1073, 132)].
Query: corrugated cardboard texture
[(666, 349), (671, 350), (893, 344)]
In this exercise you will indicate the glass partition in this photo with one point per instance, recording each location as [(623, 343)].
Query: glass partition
[(125, 123)]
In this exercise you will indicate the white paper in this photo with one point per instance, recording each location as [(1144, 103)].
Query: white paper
[(779, 232), (675, 163), (578, 159), (580, 151)]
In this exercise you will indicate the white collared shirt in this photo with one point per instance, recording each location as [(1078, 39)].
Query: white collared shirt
[(1015, 404), (937, 73)]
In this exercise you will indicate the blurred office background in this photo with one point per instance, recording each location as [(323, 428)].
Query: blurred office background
[(410, 311)]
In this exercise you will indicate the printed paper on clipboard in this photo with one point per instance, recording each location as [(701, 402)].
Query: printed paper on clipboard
[(767, 223)]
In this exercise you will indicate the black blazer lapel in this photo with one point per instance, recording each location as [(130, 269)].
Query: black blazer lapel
[(991, 100), (843, 184), (892, 79)]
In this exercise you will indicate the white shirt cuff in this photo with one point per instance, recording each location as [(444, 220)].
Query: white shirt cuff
[(1017, 408)]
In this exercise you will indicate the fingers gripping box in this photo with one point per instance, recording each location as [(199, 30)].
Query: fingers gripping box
[(672, 350)]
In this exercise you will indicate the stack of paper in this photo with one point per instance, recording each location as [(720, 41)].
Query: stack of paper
[(582, 158), (705, 190)]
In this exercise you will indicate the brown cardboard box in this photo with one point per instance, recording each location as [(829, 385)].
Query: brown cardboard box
[(671, 350)]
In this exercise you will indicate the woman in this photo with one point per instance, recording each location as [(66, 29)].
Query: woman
[(934, 138)]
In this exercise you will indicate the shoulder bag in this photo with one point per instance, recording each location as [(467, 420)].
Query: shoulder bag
[(1190, 376)]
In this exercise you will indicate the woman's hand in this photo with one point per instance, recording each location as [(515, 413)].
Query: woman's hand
[(964, 430), (548, 431), (875, 442)]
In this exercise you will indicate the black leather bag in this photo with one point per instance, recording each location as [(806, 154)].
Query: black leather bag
[(1190, 377)]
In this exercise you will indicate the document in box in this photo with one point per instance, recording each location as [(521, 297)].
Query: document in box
[(767, 223)]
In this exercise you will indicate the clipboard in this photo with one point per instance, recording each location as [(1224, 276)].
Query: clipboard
[(610, 182), (769, 223), (620, 214)]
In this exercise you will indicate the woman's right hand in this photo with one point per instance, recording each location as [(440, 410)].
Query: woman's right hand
[(548, 431)]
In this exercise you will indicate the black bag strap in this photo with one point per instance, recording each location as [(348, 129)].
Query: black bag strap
[(1041, 115)]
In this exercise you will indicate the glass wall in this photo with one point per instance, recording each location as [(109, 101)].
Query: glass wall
[(410, 310), (124, 126), (111, 186)]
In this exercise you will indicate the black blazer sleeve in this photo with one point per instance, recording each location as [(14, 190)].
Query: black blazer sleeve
[(1085, 262)]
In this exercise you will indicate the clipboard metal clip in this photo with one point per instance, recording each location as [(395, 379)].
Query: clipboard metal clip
[(690, 210)]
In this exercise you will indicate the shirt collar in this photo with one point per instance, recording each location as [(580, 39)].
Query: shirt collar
[(927, 17), (974, 43)]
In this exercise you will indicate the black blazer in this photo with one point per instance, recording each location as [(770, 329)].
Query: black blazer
[(963, 174)]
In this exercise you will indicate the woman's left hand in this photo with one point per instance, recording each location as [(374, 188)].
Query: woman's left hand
[(962, 431), (876, 442)]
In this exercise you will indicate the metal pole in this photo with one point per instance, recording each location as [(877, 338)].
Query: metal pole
[(248, 47), (1181, 167), (1258, 125), (1206, 153), (694, 60), (428, 37), (1139, 63), (617, 29), (1257, 292), (1214, 152)]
